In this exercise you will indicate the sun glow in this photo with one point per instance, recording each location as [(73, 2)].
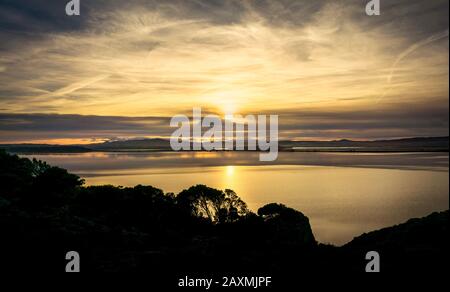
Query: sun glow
[(230, 177), (230, 170)]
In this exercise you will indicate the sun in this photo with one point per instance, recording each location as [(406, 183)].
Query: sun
[(229, 108), (227, 102), (226, 106)]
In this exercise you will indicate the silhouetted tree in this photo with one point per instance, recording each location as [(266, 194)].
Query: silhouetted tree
[(288, 224), (15, 173), (215, 205)]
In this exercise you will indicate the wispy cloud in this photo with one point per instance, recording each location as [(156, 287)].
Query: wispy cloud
[(410, 50), (159, 58)]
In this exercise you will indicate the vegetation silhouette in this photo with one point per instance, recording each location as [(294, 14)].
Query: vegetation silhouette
[(215, 205), (46, 211)]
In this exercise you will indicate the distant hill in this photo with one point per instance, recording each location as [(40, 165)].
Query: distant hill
[(396, 145), (43, 148), (406, 144), (132, 145)]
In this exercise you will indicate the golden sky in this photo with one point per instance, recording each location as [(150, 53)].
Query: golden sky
[(325, 67)]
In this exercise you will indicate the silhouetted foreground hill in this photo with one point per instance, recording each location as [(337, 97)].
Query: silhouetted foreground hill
[(46, 211), (421, 241)]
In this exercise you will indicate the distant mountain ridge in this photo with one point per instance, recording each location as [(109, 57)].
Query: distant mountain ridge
[(43, 148), (147, 144), (403, 144), (158, 144)]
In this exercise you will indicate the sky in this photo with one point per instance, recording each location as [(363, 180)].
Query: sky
[(122, 69)]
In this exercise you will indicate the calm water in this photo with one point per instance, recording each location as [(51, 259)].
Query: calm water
[(343, 194)]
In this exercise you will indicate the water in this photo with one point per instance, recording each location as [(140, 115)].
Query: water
[(343, 194)]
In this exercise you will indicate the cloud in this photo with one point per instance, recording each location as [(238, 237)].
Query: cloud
[(308, 123), (159, 58), (410, 50), (30, 127)]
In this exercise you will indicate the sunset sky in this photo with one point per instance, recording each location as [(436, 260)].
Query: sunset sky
[(122, 69)]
